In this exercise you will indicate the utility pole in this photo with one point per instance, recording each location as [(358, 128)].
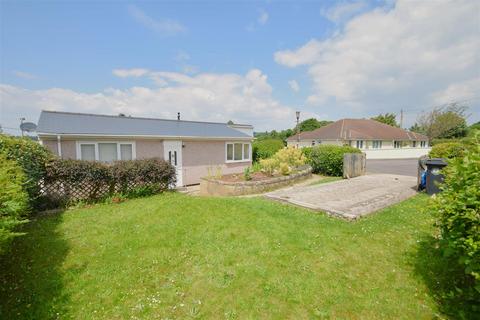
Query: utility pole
[(401, 118), (298, 128), (21, 122)]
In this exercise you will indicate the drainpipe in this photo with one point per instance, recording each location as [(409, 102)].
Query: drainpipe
[(59, 146)]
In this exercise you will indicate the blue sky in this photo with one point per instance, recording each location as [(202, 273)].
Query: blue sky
[(254, 62)]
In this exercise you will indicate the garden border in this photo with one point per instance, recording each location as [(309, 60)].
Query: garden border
[(214, 187)]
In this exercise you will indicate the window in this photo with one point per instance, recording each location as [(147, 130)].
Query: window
[(87, 152), (423, 144), (377, 144), (126, 151), (360, 144), (105, 151), (397, 144), (313, 142), (414, 144), (246, 151), (238, 152)]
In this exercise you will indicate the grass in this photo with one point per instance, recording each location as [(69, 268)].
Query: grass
[(175, 256)]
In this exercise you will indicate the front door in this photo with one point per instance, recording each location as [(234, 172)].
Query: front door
[(172, 150)]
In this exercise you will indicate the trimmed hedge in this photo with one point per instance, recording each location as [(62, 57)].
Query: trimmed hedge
[(68, 181), (448, 150), (13, 200), (328, 159), (31, 157), (264, 149), (458, 210)]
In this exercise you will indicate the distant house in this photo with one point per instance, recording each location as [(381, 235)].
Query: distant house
[(377, 140), (196, 149)]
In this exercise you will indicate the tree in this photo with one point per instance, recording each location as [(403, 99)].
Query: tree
[(387, 118), (416, 128), (312, 124), (444, 122)]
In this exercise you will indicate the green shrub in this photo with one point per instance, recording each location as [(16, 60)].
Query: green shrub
[(13, 200), (458, 210), (31, 157), (76, 180), (247, 174), (307, 152), (266, 148), (154, 173), (328, 159), (448, 150), (284, 161)]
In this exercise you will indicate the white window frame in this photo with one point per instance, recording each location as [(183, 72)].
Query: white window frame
[(423, 144), (399, 142), (362, 142), (119, 143), (243, 151)]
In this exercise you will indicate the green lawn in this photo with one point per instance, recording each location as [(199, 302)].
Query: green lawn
[(176, 256)]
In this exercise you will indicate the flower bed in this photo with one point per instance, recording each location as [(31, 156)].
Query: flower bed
[(234, 185)]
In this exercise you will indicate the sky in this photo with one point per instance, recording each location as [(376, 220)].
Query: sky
[(246, 61)]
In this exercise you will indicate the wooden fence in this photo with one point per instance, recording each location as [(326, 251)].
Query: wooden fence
[(354, 165)]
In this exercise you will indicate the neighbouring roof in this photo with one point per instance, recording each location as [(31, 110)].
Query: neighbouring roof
[(55, 122), (353, 129)]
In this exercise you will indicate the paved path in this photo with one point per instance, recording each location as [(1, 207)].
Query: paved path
[(351, 198), (406, 167)]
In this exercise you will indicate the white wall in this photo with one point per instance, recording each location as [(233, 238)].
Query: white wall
[(400, 153)]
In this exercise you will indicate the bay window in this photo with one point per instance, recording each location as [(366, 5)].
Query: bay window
[(238, 151), (105, 151)]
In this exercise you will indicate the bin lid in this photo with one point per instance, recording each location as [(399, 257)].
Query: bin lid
[(436, 162)]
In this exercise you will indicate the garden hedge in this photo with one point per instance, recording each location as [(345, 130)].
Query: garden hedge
[(447, 150), (328, 159), (458, 210), (13, 200), (264, 149), (31, 157), (73, 180)]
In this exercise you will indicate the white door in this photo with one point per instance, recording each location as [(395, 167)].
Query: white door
[(172, 151)]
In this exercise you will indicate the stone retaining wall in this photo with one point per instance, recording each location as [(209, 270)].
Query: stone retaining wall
[(214, 187)]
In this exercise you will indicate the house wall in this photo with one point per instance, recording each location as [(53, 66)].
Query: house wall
[(386, 152), (200, 157)]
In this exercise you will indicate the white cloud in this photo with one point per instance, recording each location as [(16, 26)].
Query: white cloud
[(124, 73), (416, 54), (294, 85), (343, 11), (164, 27), (24, 75), (263, 18), (206, 97)]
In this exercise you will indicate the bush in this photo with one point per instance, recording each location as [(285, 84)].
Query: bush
[(73, 180), (307, 152), (458, 210), (31, 157), (152, 174), (448, 150), (264, 149), (284, 161), (13, 200), (328, 159)]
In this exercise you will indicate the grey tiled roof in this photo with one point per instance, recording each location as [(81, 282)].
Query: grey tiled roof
[(54, 122)]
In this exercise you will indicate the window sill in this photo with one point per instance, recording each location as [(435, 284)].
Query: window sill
[(237, 161)]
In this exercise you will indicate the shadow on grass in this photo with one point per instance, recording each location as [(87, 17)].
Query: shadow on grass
[(31, 278), (445, 281)]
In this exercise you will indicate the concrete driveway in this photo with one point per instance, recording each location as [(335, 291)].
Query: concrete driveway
[(405, 167), (350, 199)]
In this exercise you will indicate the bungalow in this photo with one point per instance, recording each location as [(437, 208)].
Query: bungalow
[(196, 149), (377, 140)]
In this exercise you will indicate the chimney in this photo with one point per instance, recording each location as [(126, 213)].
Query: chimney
[(178, 115)]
